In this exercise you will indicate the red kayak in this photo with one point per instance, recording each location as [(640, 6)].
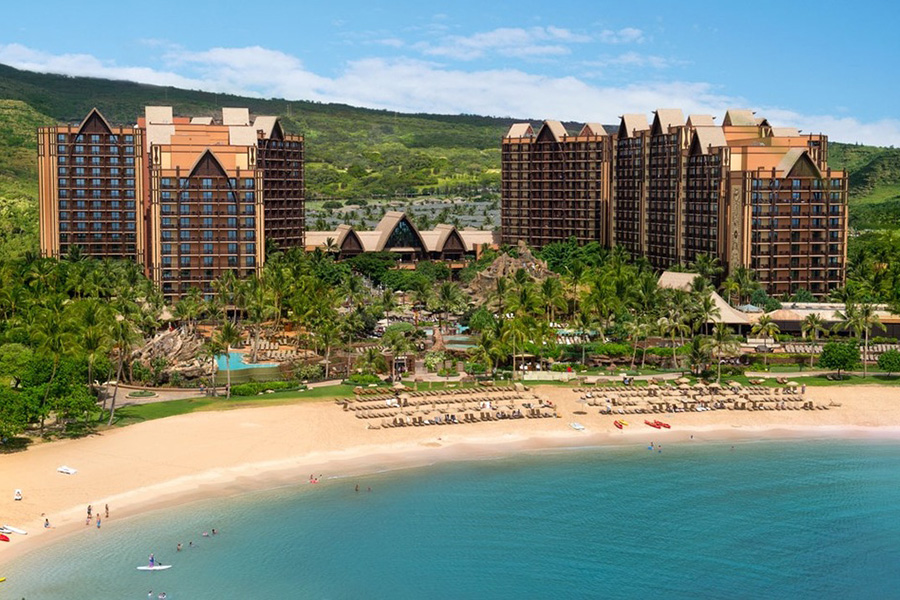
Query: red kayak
[(618, 424), (661, 424), (3, 538), (652, 423)]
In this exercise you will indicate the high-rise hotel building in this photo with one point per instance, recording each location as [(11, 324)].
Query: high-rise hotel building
[(187, 198), (747, 193)]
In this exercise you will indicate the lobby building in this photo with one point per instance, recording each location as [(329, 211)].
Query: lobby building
[(187, 198), (670, 189)]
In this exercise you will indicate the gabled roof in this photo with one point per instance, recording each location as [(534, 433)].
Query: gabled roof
[(235, 116), (475, 238), (666, 118), (706, 137), (269, 126), (94, 121), (797, 159), (319, 239), (388, 224), (739, 118), (683, 281), (201, 121), (592, 129), (520, 130), (784, 132), (552, 128), (632, 123), (208, 164), (436, 239), (700, 121)]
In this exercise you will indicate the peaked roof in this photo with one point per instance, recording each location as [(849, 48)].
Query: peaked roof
[(519, 130), (269, 126), (95, 118), (700, 121), (338, 236), (592, 129), (555, 128), (208, 164), (797, 157), (666, 118), (784, 132), (632, 123), (388, 224), (706, 137), (740, 118), (683, 281)]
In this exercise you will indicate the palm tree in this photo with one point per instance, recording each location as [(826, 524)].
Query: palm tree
[(721, 342), (812, 326), (499, 293), (228, 336), (706, 266), (487, 350), (124, 337), (767, 328), (258, 309), (516, 332), (54, 335), (576, 273), (448, 299), (669, 326), (704, 310), (869, 319), (210, 351), (552, 296), (397, 344), (371, 361)]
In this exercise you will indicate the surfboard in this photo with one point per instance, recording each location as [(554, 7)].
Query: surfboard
[(155, 568), (12, 529)]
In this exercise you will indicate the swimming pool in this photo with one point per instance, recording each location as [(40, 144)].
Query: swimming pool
[(237, 362)]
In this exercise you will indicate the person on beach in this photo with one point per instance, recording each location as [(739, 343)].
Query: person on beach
[(106, 511), (357, 487), (46, 523), (89, 511), (98, 521), (88, 520)]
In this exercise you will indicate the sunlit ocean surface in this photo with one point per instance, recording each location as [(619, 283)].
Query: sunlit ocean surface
[(803, 519)]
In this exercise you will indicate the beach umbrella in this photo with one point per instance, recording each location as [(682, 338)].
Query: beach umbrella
[(792, 384), (682, 380), (699, 385), (684, 386), (734, 384), (653, 386), (714, 385)]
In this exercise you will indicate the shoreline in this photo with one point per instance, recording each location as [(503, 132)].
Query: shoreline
[(262, 448)]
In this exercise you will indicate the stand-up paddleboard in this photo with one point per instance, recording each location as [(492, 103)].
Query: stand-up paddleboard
[(12, 529), (155, 568), (4, 537)]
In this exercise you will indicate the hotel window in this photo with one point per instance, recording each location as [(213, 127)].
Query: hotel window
[(95, 149), (61, 137), (250, 261), (185, 234), (185, 262), (61, 170), (129, 138), (185, 221), (207, 261), (113, 160), (232, 249), (185, 248), (206, 235), (184, 209), (95, 160), (167, 248), (206, 183), (207, 248)]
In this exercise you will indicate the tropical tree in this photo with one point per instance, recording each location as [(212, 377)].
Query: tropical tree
[(449, 298), (869, 319), (722, 342), (54, 335), (767, 328), (124, 337), (371, 361), (515, 333), (841, 356), (552, 297), (889, 361), (813, 324), (227, 337)]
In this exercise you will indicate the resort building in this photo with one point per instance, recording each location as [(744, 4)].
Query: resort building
[(554, 185), (395, 233), (188, 198), (670, 189)]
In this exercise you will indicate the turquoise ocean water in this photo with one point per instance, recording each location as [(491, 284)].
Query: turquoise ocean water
[(804, 519)]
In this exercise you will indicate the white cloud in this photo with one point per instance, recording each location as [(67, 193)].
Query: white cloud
[(627, 35), (634, 59), (513, 42), (421, 86)]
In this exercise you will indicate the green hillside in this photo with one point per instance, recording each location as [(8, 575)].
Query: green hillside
[(18, 177), (351, 152), (874, 184)]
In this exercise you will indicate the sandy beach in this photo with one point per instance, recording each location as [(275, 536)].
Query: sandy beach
[(169, 461)]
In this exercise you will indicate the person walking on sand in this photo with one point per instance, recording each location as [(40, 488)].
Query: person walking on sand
[(98, 521), (46, 523), (107, 511)]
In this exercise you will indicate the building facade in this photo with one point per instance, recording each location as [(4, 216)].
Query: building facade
[(553, 184), (188, 198), (671, 189)]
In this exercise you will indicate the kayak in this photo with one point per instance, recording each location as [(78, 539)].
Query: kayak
[(11, 529), (661, 424), (4, 537), (654, 424), (155, 568)]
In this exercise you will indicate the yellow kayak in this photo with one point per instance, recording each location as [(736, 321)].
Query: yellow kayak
[(2, 579)]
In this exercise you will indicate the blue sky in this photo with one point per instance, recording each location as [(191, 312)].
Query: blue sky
[(820, 66)]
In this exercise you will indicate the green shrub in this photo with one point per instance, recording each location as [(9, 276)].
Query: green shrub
[(563, 367), (433, 360), (363, 379), (253, 388)]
